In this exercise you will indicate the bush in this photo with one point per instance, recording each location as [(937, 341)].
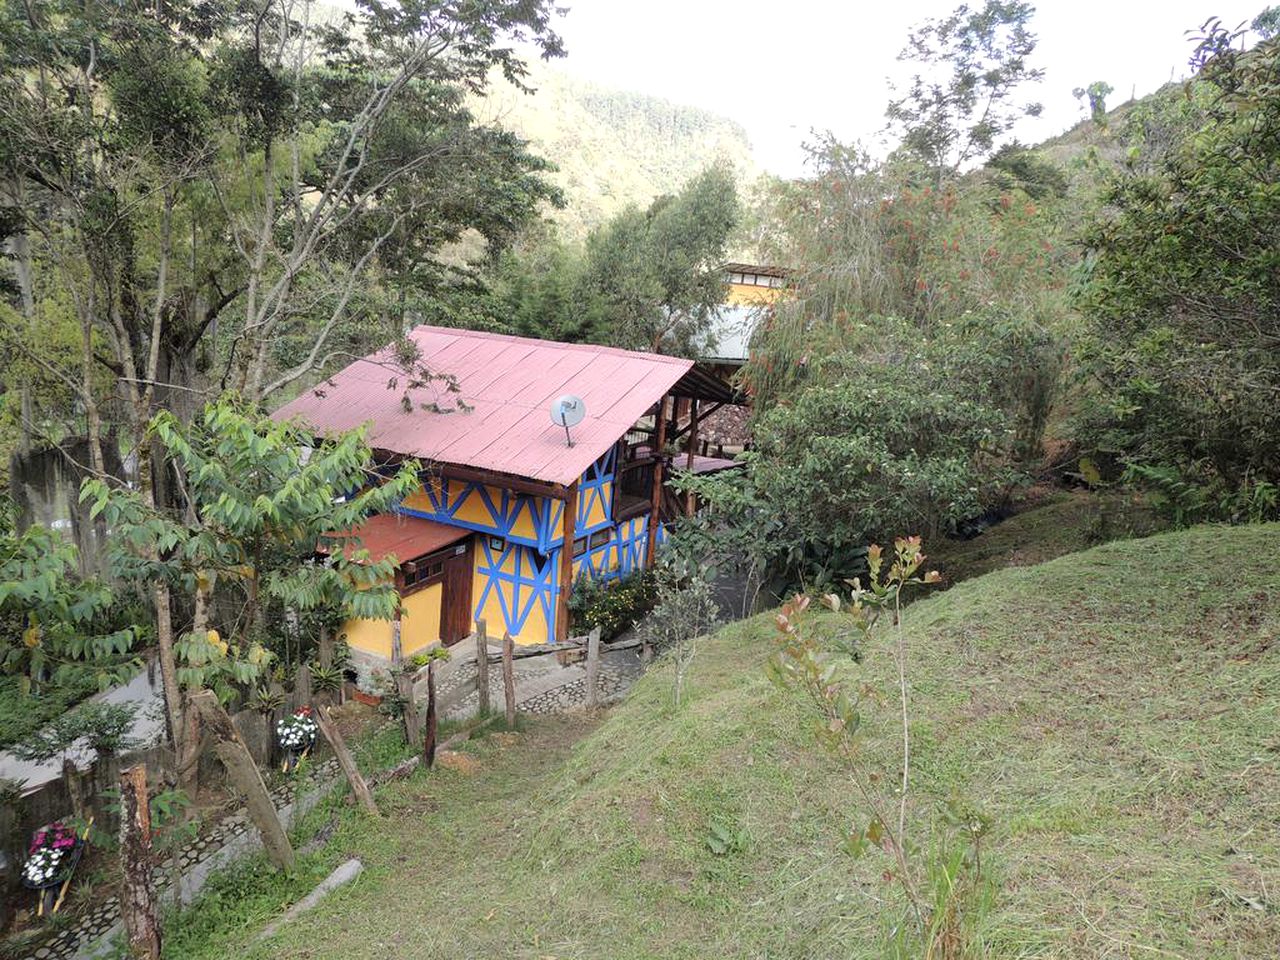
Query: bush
[(684, 610), (870, 447), (613, 606)]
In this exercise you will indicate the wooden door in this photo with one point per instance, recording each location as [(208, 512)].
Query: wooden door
[(455, 604)]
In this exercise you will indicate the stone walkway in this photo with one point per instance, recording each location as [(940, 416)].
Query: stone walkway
[(543, 684)]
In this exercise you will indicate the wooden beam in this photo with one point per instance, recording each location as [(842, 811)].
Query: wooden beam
[(655, 502), (482, 668), (348, 764), (509, 481), (568, 525), (705, 413), (593, 667), (509, 678), (244, 773), (690, 497)]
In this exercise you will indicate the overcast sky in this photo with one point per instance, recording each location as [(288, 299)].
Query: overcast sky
[(784, 68)]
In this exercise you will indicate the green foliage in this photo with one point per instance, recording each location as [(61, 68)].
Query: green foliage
[(945, 890), (52, 621), (684, 609), (264, 497), (867, 448), (104, 728), (975, 64), (1016, 167), (657, 273), (613, 606), (1267, 23), (1196, 494), (1183, 293), (1096, 93)]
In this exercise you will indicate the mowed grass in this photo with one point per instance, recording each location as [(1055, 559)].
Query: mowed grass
[(1115, 712)]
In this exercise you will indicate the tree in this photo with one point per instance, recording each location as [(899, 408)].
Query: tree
[(975, 66), (53, 622), (262, 498), (215, 188), (1183, 296), (1267, 23), (652, 278)]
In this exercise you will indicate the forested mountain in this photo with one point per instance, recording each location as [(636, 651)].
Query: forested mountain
[(613, 147)]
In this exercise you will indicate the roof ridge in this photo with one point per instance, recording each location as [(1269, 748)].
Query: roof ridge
[(516, 338)]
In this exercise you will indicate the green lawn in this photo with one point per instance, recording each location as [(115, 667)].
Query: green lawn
[(1116, 712)]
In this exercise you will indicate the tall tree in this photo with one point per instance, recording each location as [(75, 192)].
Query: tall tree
[(1183, 295), (975, 64), (653, 278)]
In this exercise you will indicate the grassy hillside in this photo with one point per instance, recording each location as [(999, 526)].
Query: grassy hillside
[(1116, 712), (613, 147)]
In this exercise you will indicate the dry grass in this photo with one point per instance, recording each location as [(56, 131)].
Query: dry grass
[(1117, 712)]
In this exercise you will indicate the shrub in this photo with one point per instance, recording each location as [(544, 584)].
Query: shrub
[(613, 606), (684, 610)]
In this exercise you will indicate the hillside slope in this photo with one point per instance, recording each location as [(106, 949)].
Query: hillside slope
[(613, 147), (1116, 712)]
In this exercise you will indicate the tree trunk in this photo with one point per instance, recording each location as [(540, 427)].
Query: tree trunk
[(429, 744), (593, 667), (247, 778), (325, 652), (137, 898)]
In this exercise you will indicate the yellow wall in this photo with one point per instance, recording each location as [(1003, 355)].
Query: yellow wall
[(371, 636), (537, 627), (419, 626), (420, 619), (747, 295)]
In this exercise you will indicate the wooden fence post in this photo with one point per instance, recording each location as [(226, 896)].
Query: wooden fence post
[(246, 776), (509, 677), (593, 666), (345, 760), (482, 667), (429, 744), (137, 898), (412, 719)]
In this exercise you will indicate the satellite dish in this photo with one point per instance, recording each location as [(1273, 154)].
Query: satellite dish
[(568, 411)]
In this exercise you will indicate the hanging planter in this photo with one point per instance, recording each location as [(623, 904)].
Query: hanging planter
[(52, 857), (296, 735)]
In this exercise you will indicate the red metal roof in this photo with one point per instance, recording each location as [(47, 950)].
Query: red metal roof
[(510, 383), (405, 536)]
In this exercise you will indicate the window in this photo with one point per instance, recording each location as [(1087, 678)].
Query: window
[(580, 546), (416, 573), (601, 538)]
